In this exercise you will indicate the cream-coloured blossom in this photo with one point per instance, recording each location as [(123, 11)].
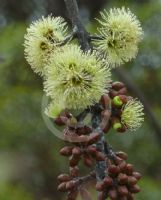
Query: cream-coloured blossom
[(132, 114), (41, 41), (121, 32), (76, 78)]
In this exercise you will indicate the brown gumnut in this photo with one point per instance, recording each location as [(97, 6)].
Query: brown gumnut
[(132, 180), (74, 171), (72, 195), (71, 184), (108, 181), (66, 151), (100, 186), (117, 85), (124, 98), (100, 156), (62, 187), (91, 150), (122, 190), (129, 169), (113, 93), (118, 160), (113, 194), (88, 161), (122, 91), (73, 160), (122, 155), (113, 170), (101, 196), (64, 178), (76, 151), (122, 166), (137, 175), (134, 189), (93, 138), (105, 101), (122, 179)]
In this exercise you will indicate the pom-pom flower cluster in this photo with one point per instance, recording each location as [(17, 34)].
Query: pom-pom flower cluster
[(121, 32)]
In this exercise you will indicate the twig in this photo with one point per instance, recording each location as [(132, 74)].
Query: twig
[(81, 33)]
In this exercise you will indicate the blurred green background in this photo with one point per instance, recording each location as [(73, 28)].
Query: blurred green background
[(29, 152)]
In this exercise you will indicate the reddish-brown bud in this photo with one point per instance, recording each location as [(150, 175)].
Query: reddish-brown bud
[(100, 186), (113, 170), (64, 178), (88, 161), (113, 194), (122, 91), (129, 169), (122, 155), (91, 150), (66, 151), (105, 101), (108, 181), (60, 121), (117, 85), (113, 93), (62, 187), (100, 156), (134, 189), (137, 175), (123, 191), (132, 180), (73, 160), (122, 179), (122, 166), (76, 151), (74, 171), (70, 185)]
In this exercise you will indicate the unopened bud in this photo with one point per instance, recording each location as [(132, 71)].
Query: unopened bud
[(108, 181), (123, 191), (113, 194), (66, 151), (137, 175), (71, 184), (100, 186), (122, 155), (64, 178), (117, 85), (62, 187), (135, 189)]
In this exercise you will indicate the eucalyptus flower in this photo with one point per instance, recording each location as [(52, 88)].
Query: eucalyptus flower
[(41, 41), (132, 114), (120, 32), (76, 78)]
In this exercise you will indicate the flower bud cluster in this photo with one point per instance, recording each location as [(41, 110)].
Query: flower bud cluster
[(120, 181)]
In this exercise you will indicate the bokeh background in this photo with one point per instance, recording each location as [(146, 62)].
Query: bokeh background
[(29, 152)]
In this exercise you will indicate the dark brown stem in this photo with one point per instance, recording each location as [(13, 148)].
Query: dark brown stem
[(82, 34)]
